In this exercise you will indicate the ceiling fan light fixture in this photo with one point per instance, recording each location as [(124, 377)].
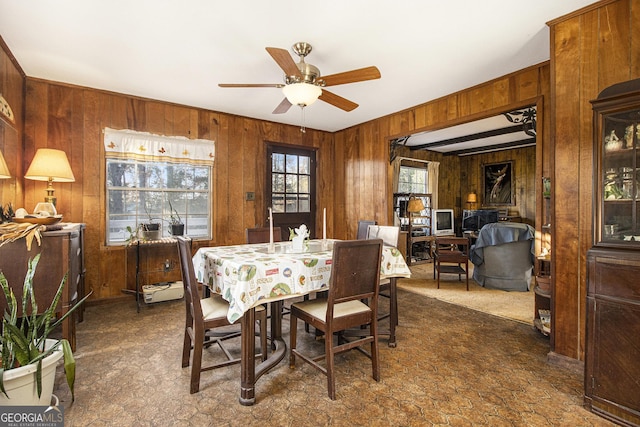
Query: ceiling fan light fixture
[(302, 94)]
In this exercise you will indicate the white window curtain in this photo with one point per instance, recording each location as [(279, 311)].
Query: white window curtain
[(128, 144), (432, 171)]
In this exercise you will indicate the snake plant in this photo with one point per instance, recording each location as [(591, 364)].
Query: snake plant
[(23, 338)]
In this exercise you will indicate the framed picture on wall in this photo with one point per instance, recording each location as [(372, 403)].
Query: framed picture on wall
[(498, 184)]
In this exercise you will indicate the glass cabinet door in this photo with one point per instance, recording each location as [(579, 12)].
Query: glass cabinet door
[(619, 194)]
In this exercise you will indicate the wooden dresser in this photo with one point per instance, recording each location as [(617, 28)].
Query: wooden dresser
[(62, 252)]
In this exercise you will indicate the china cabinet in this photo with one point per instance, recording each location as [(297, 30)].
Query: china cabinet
[(613, 264)]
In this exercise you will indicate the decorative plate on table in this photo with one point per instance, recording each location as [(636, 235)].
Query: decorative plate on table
[(43, 220)]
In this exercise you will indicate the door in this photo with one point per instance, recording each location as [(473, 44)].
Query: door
[(291, 187)]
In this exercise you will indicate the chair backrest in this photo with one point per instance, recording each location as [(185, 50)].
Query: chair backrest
[(363, 227), (458, 245), (189, 281), (355, 271), (388, 233), (261, 235)]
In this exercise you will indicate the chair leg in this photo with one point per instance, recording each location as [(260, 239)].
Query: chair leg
[(331, 381), (375, 360), (466, 270), (196, 364), (293, 332), (186, 348)]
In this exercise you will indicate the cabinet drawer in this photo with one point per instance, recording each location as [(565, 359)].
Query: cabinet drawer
[(615, 277)]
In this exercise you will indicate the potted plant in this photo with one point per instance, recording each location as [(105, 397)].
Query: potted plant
[(150, 230), (29, 357), (176, 226)]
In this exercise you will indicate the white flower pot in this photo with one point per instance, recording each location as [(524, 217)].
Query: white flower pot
[(20, 383)]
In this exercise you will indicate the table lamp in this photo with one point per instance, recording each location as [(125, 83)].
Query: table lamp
[(4, 169), (472, 199), (50, 165), (415, 205)]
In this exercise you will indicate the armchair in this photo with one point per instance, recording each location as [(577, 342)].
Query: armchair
[(503, 256)]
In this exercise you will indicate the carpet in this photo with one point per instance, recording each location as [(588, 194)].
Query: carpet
[(517, 306)]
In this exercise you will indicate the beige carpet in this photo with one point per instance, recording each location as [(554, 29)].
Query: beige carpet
[(517, 306)]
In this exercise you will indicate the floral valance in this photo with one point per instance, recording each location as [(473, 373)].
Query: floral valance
[(130, 144)]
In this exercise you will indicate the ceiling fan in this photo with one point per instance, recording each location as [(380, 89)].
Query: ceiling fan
[(303, 84)]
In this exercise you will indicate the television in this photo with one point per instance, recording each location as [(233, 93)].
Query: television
[(474, 220), (442, 222)]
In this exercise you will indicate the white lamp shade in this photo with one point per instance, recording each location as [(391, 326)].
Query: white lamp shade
[(4, 169), (50, 164), (302, 94)]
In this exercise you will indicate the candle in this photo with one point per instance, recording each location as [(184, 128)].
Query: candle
[(324, 223), (270, 227)]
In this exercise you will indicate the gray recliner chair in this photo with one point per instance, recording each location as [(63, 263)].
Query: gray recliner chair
[(503, 256)]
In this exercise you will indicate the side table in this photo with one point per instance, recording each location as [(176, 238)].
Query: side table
[(148, 244)]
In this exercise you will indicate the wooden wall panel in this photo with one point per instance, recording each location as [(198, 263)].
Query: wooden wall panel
[(12, 84), (591, 49)]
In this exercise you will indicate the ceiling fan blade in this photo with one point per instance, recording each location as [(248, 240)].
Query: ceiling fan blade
[(250, 85), (368, 73), (337, 101), (285, 61), (283, 107)]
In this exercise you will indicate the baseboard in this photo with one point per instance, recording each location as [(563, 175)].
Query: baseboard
[(565, 362)]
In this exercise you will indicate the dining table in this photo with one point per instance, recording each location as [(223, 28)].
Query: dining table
[(250, 275)]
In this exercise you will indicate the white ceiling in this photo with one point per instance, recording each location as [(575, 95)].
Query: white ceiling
[(178, 51)]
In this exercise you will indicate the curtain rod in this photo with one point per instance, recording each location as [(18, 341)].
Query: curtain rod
[(413, 160)]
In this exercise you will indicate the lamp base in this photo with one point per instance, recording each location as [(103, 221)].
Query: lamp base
[(50, 198)]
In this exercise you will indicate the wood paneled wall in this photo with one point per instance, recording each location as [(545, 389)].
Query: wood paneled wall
[(72, 119), (591, 49), (12, 83), (362, 152)]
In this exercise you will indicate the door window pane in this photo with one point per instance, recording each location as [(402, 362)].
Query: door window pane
[(292, 163), (277, 162)]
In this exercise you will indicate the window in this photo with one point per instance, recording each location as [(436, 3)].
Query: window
[(290, 183), (412, 180), (142, 187)]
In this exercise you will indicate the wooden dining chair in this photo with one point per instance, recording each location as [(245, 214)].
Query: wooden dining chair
[(355, 277), (203, 316), (363, 228), (389, 235), (261, 235), (451, 256)]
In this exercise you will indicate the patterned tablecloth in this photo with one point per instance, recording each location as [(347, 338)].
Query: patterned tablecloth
[(247, 275)]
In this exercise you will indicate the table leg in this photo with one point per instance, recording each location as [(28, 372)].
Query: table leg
[(247, 365), (249, 373)]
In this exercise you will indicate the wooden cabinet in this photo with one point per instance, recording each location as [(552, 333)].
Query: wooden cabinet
[(62, 252), (613, 264), (612, 369), (419, 241)]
